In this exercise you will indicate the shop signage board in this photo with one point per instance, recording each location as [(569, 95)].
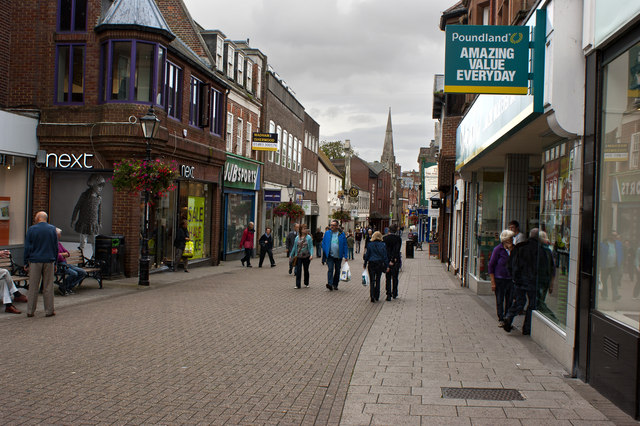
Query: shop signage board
[(264, 142), (241, 174), (616, 152), (272, 196), (487, 59), (69, 161), (196, 224)]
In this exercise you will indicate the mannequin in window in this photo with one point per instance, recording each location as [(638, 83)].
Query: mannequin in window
[(86, 218)]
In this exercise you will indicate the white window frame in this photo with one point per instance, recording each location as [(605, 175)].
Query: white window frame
[(240, 69), (220, 53), (259, 82), (239, 137), (285, 143), (279, 150), (634, 151), (294, 162), (272, 129), (230, 61), (304, 180), (249, 134), (290, 152), (229, 133), (299, 156), (249, 75)]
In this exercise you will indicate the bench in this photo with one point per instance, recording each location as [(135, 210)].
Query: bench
[(19, 276), (92, 267)]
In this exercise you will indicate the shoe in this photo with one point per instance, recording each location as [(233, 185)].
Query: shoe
[(259, 266), (242, 260), (306, 285), (12, 310), (526, 333), (335, 287), (388, 298), (62, 291), (290, 270), (297, 288), (71, 292), (52, 314), (20, 299), (186, 270), (507, 326), (249, 266), (373, 300), (30, 315), (273, 266), (329, 287), (500, 323)]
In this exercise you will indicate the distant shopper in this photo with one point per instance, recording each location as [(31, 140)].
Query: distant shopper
[(367, 238), (302, 252), (291, 237), (610, 258), (317, 241), (246, 242), (266, 247), (393, 243), (182, 236), (501, 283), (376, 262), (73, 274), (358, 238), (334, 246), (350, 243), (40, 254)]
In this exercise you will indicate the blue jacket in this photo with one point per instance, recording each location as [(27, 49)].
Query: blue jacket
[(294, 249), (342, 244), (377, 252), (41, 244)]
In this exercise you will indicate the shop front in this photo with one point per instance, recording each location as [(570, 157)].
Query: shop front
[(241, 185), (279, 224), (17, 158), (609, 320)]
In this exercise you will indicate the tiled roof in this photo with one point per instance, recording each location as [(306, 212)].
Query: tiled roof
[(136, 13)]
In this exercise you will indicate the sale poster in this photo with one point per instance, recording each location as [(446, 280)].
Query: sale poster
[(196, 224)]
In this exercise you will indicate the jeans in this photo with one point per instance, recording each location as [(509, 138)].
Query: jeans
[(247, 256), (333, 274), (74, 276), (503, 296), (375, 275), (358, 246), (263, 252), (351, 253), (318, 252), (612, 276), (302, 263), (522, 294), (391, 280), (179, 257)]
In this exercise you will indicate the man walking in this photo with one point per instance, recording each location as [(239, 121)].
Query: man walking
[(266, 247), (334, 245), (529, 262), (291, 237), (40, 254), (394, 246)]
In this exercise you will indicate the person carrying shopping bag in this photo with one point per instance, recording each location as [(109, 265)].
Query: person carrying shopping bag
[(377, 260), (301, 255)]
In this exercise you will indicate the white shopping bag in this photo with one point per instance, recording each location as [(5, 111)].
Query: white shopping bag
[(345, 272), (365, 278)]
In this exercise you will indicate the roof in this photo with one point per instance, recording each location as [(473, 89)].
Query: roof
[(327, 163), (135, 14), (376, 167), (455, 11)]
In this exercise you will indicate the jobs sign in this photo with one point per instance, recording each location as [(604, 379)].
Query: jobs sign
[(487, 59)]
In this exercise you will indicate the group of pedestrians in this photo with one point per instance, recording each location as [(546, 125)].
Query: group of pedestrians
[(522, 273)]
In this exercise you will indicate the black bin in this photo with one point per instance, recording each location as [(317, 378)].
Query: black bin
[(110, 250), (409, 249)]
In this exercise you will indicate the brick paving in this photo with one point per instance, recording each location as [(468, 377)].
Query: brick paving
[(230, 345)]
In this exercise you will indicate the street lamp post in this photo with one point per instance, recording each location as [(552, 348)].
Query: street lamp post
[(149, 123), (341, 198)]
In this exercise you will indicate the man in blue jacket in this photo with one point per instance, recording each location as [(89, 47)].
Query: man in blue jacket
[(334, 246), (40, 254)]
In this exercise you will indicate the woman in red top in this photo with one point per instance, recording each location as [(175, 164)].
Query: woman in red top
[(246, 243)]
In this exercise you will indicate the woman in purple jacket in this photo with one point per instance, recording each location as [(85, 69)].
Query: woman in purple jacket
[(501, 282)]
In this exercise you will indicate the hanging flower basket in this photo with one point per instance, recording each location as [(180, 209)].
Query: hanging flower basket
[(155, 176), (293, 210), (341, 215)]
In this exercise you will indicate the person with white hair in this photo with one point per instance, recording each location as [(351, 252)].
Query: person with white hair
[(8, 289), (501, 283)]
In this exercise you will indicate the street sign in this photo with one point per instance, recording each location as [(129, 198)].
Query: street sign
[(264, 142), (353, 192), (487, 59)]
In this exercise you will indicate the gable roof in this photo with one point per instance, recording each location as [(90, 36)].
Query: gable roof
[(327, 163), (135, 14)]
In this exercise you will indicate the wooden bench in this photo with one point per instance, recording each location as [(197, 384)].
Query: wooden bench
[(18, 274), (92, 267)]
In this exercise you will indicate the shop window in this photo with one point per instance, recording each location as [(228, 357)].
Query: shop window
[(239, 214), (129, 70), (70, 73), (72, 15), (199, 103), (216, 112), (173, 86), (488, 220), (13, 199), (618, 236)]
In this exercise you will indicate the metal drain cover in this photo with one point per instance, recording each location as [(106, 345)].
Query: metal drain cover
[(482, 393)]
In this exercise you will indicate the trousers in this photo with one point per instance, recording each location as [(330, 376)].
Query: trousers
[(37, 272)]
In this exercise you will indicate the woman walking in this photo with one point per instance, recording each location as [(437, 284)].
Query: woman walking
[(501, 281), (301, 254), (377, 260)]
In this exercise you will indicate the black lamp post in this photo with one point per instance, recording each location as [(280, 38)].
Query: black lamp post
[(341, 198), (150, 126), (291, 190)]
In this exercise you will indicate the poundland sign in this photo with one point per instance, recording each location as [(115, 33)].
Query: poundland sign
[(487, 59)]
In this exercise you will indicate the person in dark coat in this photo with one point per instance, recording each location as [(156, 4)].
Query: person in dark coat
[(182, 236), (246, 243), (291, 237), (376, 262), (317, 241), (529, 263), (501, 281), (266, 247), (393, 242)]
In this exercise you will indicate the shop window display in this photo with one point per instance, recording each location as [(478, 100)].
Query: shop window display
[(488, 220), (13, 199), (239, 214), (618, 236)]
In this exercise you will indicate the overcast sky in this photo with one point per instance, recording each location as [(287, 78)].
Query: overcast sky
[(348, 62)]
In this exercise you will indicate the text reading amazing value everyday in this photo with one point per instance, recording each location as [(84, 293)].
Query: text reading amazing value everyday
[(487, 64)]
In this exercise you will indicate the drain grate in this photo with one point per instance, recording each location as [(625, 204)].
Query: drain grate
[(482, 393)]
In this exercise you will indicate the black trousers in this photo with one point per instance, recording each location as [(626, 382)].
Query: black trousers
[(300, 265), (375, 275), (263, 252), (247, 256), (391, 280)]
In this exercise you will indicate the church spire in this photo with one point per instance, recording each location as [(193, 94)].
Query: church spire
[(388, 157)]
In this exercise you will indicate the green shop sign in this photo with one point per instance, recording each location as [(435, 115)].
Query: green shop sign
[(487, 59), (241, 174)]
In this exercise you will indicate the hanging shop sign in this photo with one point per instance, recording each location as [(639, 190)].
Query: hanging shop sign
[(272, 196), (241, 174), (487, 59), (264, 142)]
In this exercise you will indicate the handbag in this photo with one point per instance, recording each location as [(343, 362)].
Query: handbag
[(188, 250), (294, 261)]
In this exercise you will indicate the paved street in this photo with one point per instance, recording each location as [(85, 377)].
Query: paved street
[(230, 345)]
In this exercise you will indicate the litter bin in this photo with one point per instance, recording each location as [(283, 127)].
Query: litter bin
[(409, 249), (110, 251)]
